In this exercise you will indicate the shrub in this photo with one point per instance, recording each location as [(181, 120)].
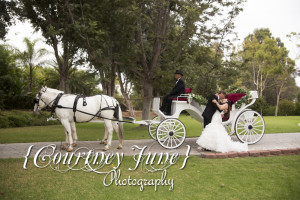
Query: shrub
[(18, 121), (4, 122), (286, 107), (17, 118), (269, 111), (297, 111), (260, 105)]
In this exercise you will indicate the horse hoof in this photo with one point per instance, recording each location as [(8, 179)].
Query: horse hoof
[(106, 148), (69, 149), (63, 147), (101, 142), (74, 145), (119, 147), (105, 142)]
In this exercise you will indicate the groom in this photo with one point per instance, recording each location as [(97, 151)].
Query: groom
[(212, 107), (178, 89)]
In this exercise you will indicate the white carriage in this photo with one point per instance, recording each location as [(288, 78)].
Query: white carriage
[(170, 132)]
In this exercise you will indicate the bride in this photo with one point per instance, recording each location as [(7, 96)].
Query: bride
[(214, 136)]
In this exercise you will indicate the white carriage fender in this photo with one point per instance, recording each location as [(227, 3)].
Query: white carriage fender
[(254, 96)]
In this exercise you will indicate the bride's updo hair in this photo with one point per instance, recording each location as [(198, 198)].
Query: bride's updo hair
[(227, 114), (229, 103)]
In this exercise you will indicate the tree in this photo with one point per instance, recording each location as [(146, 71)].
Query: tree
[(6, 16), (51, 17), (11, 82), (141, 36), (267, 63), (80, 81), (125, 87), (31, 58), (166, 28), (285, 70), (295, 38)]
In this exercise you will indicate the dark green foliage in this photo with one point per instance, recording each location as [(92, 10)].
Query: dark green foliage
[(260, 105), (17, 118), (4, 122), (269, 111), (6, 16), (286, 108), (297, 110)]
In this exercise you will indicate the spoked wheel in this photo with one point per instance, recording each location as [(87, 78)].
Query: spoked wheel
[(171, 133), (249, 127), (153, 126), (228, 129)]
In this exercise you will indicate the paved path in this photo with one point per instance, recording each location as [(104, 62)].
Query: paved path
[(268, 142)]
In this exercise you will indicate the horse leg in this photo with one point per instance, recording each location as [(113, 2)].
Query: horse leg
[(74, 134), (110, 130), (64, 147), (116, 128), (104, 140), (67, 126)]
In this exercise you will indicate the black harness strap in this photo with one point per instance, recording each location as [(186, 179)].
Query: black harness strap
[(114, 107), (54, 105), (75, 104)]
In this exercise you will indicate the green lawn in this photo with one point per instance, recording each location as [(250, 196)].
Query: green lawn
[(94, 131), (238, 178)]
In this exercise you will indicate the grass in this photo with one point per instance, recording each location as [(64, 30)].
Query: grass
[(95, 131), (243, 178), (282, 124)]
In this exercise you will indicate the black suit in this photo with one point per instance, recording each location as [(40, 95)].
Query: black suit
[(210, 109), (178, 89)]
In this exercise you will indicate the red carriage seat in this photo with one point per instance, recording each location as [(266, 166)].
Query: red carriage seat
[(234, 97), (187, 91)]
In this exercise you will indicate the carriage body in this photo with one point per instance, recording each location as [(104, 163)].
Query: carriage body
[(170, 132)]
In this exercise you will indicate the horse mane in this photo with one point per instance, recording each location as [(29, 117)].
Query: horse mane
[(54, 90)]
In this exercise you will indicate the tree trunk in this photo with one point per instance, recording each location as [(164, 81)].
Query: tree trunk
[(64, 70), (30, 79), (147, 99), (63, 79), (113, 79), (125, 95), (63, 65), (278, 99), (277, 105)]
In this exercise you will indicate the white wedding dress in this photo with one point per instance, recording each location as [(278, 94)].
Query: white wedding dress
[(215, 137)]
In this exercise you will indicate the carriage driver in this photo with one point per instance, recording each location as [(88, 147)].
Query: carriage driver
[(178, 89)]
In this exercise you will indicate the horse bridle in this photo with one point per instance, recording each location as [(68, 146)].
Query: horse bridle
[(37, 100)]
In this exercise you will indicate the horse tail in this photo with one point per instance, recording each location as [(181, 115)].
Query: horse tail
[(120, 124)]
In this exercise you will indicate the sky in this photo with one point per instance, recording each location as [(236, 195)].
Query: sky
[(280, 16)]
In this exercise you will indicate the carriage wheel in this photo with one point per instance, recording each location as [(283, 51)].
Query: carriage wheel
[(153, 126), (171, 133), (249, 127), (228, 129)]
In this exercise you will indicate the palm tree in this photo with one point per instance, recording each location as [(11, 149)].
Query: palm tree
[(79, 81), (31, 58)]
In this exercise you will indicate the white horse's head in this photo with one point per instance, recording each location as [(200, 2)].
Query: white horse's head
[(44, 98), (39, 103)]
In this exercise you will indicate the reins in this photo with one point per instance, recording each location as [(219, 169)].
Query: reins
[(74, 108)]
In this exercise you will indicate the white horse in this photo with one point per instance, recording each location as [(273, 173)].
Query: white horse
[(63, 105)]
